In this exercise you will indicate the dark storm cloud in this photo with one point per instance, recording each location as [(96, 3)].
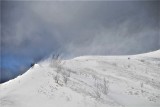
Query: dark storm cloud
[(38, 28), (32, 30)]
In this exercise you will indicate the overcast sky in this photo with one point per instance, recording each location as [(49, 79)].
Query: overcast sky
[(33, 30)]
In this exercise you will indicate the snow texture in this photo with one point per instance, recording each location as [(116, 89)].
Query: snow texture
[(87, 81)]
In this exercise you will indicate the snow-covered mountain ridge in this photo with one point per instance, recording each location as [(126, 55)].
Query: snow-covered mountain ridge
[(87, 81)]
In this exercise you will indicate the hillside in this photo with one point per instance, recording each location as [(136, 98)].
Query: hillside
[(87, 81)]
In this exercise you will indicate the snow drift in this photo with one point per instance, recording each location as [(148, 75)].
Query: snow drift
[(87, 81)]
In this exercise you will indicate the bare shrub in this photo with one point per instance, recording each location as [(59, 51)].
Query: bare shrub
[(56, 78), (94, 77), (97, 90), (56, 61), (65, 79), (62, 74), (100, 87), (66, 75), (105, 86)]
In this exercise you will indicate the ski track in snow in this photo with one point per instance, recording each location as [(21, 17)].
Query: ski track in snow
[(132, 81)]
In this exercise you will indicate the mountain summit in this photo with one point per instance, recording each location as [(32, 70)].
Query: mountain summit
[(87, 81)]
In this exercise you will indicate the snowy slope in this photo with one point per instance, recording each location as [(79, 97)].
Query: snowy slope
[(87, 81)]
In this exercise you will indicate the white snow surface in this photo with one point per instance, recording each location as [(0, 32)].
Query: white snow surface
[(130, 81)]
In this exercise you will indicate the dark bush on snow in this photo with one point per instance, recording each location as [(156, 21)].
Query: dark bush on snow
[(32, 64)]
